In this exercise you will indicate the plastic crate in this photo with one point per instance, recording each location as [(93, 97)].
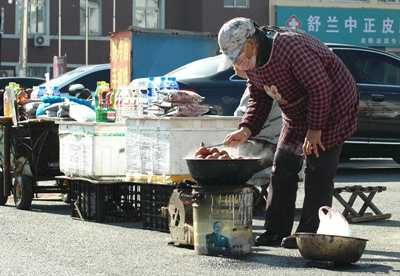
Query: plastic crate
[(95, 150), (153, 198), (116, 202)]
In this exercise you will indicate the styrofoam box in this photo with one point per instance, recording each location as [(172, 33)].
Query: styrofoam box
[(92, 149), (158, 146)]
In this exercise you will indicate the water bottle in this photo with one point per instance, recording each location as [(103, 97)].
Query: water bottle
[(56, 91), (173, 84), (151, 91), (139, 104), (42, 91), (162, 89)]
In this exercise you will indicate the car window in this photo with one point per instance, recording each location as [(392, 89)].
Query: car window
[(198, 69), (90, 80), (369, 67), (71, 77)]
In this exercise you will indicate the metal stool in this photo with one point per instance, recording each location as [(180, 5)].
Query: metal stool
[(366, 194)]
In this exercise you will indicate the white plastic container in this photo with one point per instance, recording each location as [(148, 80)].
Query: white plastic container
[(158, 146), (93, 150)]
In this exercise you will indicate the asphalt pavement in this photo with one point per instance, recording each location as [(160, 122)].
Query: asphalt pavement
[(47, 241)]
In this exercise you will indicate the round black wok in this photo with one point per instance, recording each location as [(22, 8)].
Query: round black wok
[(337, 249), (223, 172)]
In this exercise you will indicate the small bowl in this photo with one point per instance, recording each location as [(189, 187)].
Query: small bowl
[(337, 249)]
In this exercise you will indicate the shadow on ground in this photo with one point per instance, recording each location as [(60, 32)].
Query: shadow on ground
[(260, 256)]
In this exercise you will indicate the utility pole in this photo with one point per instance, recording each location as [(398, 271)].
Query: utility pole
[(59, 28), (23, 40), (87, 33), (271, 12), (114, 16)]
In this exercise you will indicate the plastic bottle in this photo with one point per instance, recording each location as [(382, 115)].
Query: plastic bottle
[(173, 84), (7, 101), (109, 110), (56, 91), (151, 91), (162, 89), (42, 91), (136, 98), (100, 101)]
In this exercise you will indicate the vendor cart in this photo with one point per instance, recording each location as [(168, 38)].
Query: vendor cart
[(30, 155)]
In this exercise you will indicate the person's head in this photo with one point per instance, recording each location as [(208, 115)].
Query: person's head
[(217, 227), (237, 40)]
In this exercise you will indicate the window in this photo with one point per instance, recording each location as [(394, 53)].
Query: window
[(94, 17), (146, 13), (7, 71), (90, 80), (38, 19), (201, 68), (373, 68), (236, 3), (36, 71)]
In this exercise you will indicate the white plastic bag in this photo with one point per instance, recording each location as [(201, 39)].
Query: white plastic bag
[(81, 113), (331, 222)]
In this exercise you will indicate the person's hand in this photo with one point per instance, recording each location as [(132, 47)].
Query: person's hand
[(237, 137), (312, 143)]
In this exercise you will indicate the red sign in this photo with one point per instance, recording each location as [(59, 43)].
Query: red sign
[(293, 22)]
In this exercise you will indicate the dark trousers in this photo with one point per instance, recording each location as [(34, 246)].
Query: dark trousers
[(319, 175)]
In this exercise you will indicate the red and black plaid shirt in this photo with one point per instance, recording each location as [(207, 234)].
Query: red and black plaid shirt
[(320, 92)]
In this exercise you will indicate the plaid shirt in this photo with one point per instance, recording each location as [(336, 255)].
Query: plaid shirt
[(318, 88)]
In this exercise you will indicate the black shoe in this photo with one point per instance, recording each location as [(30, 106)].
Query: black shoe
[(268, 239), (289, 242)]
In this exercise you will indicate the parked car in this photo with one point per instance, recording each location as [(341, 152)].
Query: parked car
[(376, 72), (25, 82), (86, 75)]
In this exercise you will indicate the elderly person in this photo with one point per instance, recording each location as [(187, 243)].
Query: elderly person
[(319, 103)]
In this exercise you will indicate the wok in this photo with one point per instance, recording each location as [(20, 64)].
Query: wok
[(337, 249), (223, 172)]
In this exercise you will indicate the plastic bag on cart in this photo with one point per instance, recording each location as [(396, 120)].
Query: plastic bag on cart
[(188, 110), (81, 113), (184, 96), (332, 222)]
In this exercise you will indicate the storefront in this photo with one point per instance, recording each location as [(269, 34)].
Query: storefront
[(371, 27)]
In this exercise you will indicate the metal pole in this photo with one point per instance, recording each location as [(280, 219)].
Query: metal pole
[(271, 12), (59, 28), (23, 40), (87, 33), (113, 15)]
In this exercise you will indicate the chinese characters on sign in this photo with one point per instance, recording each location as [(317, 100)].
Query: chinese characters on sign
[(370, 27)]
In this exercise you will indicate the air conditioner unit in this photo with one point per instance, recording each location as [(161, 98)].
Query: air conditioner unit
[(41, 41)]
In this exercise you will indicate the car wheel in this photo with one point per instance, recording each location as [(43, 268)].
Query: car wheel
[(396, 159), (3, 198), (23, 192)]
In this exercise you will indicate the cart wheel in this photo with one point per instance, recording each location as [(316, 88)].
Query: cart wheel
[(3, 198), (23, 192)]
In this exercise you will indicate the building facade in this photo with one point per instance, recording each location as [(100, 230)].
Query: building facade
[(190, 15)]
